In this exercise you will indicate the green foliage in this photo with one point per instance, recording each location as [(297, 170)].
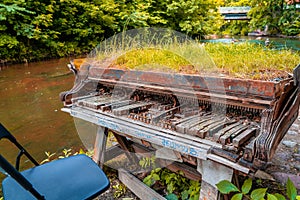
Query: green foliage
[(226, 187), (246, 187), (65, 153), (31, 30), (171, 197), (279, 196), (176, 184), (152, 177), (147, 162), (258, 194), (235, 27), (275, 14), (271, 197), (37, 29), (249, 60), (120, 189), (291, 190), (49, 157)]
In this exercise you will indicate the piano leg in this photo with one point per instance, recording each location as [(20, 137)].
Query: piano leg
[(212, 173), (100, 145), (128, 149)]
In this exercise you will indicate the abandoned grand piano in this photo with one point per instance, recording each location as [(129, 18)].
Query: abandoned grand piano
[(219, 125)]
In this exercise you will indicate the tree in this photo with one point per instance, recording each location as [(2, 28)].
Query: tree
[(15, 29), (275, 14)]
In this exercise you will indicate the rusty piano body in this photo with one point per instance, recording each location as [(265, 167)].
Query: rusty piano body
[(204, 121)]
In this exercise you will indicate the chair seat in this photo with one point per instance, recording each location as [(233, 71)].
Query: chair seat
[(73, 178)]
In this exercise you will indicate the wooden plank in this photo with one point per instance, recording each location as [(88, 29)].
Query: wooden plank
[(115, 104), (112, 152), (228, 163), (249, 151), (189, 172), (100, 145), (182, 127), (208, 192), (158, 116), (224, 130), (256, 103), (203, 125), (94, 102), (234, 131), (244, 136), (220, 126), (225, 154), (127, 147), (212, 173), (127, 108), (137, 187), (186, 119), (203, 132), (148, 79)]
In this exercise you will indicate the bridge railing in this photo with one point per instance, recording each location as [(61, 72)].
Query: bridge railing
[(235, 13)]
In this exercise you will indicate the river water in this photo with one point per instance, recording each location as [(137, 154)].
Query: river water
[(30, 107)]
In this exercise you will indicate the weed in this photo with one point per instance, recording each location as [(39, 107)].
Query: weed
[(226, 187), (177, 186), (120, 189), (66, 153), (147, 162), (49, 157)]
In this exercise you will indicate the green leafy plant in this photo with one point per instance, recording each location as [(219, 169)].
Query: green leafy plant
[(226, 187), (120, 189), (49, 157), (291, 191), (147, 162), (177, 186), (67, 153), (152, 177)]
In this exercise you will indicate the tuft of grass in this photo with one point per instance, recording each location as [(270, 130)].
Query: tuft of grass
[(248, 60), (239, 60), (151, 59)]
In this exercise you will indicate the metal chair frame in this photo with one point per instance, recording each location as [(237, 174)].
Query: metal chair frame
[(14, 173)]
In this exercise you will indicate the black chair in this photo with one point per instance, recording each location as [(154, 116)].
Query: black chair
[(73, 178)]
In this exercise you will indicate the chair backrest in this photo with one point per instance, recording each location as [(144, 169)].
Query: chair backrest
[(4, 133), (14, 173)]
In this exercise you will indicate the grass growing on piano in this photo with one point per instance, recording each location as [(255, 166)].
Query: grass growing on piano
[(248, 60), (243, 60)]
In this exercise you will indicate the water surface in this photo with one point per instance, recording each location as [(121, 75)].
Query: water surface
[(30, 107)]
